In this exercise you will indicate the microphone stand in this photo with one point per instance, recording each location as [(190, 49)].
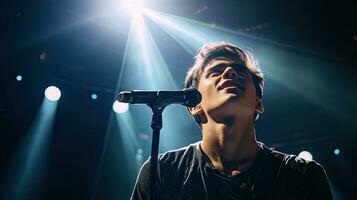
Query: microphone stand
[(156, 125), (158, 101)]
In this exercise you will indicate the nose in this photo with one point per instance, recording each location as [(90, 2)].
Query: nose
[(229, 72)]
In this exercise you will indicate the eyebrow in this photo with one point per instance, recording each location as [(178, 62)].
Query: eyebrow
[(219, 65), (236, 66)]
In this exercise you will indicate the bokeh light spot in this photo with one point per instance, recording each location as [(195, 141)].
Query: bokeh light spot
[(337, 151), (52, 93), (94, 96), (305, 155), (19, 78), (119, 107)]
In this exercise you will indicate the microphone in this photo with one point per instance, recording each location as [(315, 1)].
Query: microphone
[(188, 97)]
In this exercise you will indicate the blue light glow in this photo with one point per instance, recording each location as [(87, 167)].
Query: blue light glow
[(337, 152), (19, 78), (27, 171), (94, 96)]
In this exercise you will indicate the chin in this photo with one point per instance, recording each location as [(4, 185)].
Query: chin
[(227, 104), (231, 97)]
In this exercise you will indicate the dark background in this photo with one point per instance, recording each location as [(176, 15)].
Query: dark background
[(82, 58)]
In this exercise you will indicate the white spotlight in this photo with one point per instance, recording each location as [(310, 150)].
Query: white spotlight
[(305, 155), (133, 6), (119, 107), (52, 93)]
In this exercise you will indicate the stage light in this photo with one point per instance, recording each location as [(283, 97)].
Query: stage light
[(94, 96), (305, 155), (119, 107), (150, 62), (31, 158), (187, 34), (133, 6), (337, 151), (52, 93), (19, 78)]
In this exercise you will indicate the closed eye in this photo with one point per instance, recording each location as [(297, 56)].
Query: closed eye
[(241, 71), (215, 71), (219, 69), (242, 74)]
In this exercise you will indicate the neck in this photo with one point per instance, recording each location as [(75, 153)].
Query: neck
[(230, 145)]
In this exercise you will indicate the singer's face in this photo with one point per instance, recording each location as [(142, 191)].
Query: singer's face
[(227, 89)]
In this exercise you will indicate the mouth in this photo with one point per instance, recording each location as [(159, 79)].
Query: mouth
[(230, 85)]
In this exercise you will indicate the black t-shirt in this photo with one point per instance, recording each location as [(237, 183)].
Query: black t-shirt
[(188, 173)]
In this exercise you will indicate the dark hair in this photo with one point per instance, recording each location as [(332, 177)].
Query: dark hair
[(211, 51)]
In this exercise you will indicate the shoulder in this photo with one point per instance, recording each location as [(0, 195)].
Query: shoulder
[(294, 163), (171, 165), (178, 157), (297, 177), (291, 162), (307, 176)]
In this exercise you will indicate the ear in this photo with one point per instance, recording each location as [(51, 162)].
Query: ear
[(259, 107), (195, 111)]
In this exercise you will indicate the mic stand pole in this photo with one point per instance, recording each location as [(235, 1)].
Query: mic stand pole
[(156, 125)]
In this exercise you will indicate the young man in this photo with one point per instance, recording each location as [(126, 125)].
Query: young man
[(229, 163)]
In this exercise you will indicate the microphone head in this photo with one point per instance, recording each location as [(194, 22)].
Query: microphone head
[(124, 97), (193, 97)]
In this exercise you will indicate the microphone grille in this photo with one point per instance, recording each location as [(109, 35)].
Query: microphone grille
[(193, 97), (124, 97)]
